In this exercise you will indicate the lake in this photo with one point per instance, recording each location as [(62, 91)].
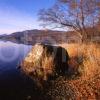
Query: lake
[(14, 85)]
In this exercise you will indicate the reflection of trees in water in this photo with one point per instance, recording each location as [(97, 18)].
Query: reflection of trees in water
[(46, 40)]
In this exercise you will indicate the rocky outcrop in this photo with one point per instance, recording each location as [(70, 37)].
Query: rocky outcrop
[(45, 62)]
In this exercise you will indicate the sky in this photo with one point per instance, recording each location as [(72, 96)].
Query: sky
[(19, 15)]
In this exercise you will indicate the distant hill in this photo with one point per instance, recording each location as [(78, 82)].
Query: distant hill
[(33, 36), (48, 36)]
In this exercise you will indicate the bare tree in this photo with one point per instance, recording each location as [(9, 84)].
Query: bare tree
[(77, 15)]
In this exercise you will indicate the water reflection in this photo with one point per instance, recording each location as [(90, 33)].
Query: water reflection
[(11, 54), (13, 84)]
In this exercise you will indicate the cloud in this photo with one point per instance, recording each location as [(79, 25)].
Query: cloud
[(12, 20)]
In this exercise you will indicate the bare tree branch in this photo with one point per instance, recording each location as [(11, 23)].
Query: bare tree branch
[(74, 14)]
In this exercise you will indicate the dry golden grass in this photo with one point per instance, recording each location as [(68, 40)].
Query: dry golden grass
[(84, 84), (84, 58)]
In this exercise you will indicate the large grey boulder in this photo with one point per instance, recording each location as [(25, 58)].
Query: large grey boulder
[(45, 62)]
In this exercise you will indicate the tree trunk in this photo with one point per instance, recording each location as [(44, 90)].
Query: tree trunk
[(84, 37)]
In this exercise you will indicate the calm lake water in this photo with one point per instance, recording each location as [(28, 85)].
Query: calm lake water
[(14, 85)]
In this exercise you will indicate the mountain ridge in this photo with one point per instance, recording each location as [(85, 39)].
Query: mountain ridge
[(49, 36)]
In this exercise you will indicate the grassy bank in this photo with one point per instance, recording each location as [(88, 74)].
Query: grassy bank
[(84, 84)]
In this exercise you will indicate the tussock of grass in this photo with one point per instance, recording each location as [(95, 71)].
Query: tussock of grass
[(84, 59), (84, 82)]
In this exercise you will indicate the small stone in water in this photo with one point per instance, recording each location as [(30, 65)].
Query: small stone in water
[(29, 97)]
